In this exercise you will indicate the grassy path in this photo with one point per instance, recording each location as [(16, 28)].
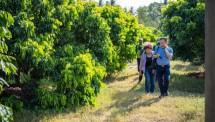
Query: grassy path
[(123, 100)]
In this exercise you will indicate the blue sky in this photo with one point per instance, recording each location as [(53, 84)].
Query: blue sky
[(134, 3)]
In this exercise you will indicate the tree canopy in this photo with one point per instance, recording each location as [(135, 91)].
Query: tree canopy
[(64, 49), (184, 24)]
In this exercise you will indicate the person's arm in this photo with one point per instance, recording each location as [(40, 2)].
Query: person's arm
[(141, 52), (169, 53), (155, 54), (141, 63), (136, 49)]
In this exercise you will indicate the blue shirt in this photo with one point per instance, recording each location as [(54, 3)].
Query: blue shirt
[(163, 60)]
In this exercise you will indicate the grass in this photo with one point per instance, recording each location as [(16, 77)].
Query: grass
[(180, 81), (124, 100)]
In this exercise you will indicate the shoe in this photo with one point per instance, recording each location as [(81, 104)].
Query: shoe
[(161, 96), (166, 94)]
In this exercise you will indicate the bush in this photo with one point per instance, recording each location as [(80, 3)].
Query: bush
[(183, 21), (6, 113), (80, 84), (13, 102), (149, 34), (6, 61), (124, 34), (65, 48), (50, 99), (81, 80)]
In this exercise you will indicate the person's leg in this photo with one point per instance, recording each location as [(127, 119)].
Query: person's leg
[(140, 77), (147, 80), (138, 64), (152, 81), (155, 76), (160, 79), (166, 80)]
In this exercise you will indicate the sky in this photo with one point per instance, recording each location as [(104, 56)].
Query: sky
[(134, 3)]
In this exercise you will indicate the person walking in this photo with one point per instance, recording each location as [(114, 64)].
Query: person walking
[(146, 68), (139, 47), (157, 44), (164, 55)]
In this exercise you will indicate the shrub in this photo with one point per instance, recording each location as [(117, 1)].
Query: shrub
[(6, 65), (65, 48), (183, 21), (6, 113), (81, 80), (13, 102), (47, 99)]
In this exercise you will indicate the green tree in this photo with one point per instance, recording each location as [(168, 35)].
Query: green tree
[(64, 49), (150, 15), (6, 65), (107, 3), (6, 60), (149, 34), (32, 35), (183, 21), (131, 10), (124, 34)]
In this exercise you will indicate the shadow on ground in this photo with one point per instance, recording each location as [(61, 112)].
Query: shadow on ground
[(183, 83), (117, 77), (129, 101), (178, 82), (37, 116)]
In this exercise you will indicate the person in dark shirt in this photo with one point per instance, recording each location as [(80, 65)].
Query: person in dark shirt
[(138, 49), (146, 68)]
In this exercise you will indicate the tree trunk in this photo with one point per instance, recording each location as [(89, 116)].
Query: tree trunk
[(165, 2), (101, 3), (210, 59), (112, 2)]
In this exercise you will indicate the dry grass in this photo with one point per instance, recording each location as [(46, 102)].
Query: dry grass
[(123, 100)]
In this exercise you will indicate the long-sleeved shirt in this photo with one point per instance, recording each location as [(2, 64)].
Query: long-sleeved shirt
[(143, 61)]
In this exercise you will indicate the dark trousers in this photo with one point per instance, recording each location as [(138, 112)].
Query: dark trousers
[(149, 80), (163, 74), (138, 64)]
